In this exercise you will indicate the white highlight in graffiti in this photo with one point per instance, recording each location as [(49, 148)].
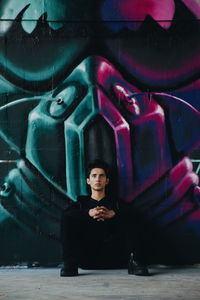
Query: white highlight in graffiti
[(197, 161)]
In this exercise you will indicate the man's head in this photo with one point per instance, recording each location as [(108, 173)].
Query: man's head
[(98, 176)]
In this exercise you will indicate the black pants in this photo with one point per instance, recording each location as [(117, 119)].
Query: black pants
[(89, 244)]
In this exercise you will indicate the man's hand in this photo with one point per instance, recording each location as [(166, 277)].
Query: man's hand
[(101, 213), (107, 213)]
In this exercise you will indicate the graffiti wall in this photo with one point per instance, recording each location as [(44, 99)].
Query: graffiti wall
[(107, 79)]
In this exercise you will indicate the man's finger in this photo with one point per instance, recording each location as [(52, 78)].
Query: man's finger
[(97, 216), (103, 208)]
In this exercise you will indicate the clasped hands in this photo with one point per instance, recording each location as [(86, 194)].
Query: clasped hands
[(101, 213)]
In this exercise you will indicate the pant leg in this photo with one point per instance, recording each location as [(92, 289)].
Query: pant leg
[(71, 229), (135, 238), (91, 255), (80, 238), (111, 249), (126, 236), (91, 244)]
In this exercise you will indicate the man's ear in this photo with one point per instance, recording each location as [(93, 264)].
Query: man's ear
[(107, 181), (88, 181)]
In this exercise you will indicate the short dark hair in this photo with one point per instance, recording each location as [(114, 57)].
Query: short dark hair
[(98, 164)]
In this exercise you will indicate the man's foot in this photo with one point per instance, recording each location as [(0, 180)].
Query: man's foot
[(136, 268), (68, 272)]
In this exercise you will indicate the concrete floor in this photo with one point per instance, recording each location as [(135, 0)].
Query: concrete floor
[(165, 283)]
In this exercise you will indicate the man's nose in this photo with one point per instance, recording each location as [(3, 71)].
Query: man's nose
[(98, 178)]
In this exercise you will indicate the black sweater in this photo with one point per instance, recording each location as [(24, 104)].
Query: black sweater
[(85, 203)]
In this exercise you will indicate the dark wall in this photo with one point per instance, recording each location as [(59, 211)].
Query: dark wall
[(110, 80)]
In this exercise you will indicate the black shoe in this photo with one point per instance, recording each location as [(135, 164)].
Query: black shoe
[(136, 268), (68, 272)]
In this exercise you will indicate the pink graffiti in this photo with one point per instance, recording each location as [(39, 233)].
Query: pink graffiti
[(194, 6), (137, 10), (162, 74), (158, 10), (145, 116)]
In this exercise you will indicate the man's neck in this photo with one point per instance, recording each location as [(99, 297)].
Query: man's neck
[(98, 195)]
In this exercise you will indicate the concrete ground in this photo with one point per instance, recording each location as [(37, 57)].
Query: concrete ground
[(165, 283)]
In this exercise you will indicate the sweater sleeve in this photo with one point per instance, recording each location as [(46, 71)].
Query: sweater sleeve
[(76, 208), (82, 204)]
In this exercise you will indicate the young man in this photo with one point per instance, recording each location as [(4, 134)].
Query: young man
[(96, 231)]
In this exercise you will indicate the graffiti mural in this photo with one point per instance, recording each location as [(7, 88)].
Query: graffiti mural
[(112, 80)]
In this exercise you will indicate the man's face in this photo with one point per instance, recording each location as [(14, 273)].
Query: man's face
[(97, 179)]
